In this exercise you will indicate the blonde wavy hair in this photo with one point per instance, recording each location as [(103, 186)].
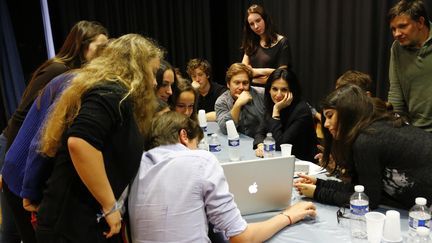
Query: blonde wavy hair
[(125, 61)]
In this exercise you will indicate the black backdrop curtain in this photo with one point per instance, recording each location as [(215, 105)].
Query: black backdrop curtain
[(327, 37)]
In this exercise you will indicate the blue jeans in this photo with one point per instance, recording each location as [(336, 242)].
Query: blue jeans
[(8, 232)]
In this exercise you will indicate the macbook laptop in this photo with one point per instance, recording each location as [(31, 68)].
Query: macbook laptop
[(261, 185)]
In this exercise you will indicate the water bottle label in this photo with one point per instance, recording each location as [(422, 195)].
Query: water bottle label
[(269, 147), (359, 210), (414, 223), (233, 142), (204, 129), (215, 147)]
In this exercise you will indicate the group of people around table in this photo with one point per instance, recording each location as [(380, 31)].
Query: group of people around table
[(123, 128)]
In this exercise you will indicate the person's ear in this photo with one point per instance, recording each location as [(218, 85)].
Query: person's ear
[(183, 138), (421, 20)]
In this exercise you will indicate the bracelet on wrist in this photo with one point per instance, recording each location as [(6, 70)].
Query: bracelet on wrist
[(103, 214), (286, 215)]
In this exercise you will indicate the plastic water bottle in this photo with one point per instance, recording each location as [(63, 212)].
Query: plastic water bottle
[(214, 144), (422, 235), (203, 144), (234, 148), (419, 215), (269, 146), (359, 206)]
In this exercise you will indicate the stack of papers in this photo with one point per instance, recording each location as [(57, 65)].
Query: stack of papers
[(308, 168)]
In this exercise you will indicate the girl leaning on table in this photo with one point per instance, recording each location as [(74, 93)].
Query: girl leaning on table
[(377, 149), (286, 116), (95, 134)]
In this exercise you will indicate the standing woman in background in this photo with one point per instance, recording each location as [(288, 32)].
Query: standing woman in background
[(79, 47), (96, 134), (287, 116), (264, 49)]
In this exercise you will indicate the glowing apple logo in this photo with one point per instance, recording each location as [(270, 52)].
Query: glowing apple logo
[(253, 188)]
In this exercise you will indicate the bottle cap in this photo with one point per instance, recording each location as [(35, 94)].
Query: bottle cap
[(420, 201), (269, 134), (359, 188), (214, 135)]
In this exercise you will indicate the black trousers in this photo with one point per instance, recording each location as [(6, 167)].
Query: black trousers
[(21, 216)]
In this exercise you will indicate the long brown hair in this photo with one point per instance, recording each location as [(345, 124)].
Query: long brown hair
[(125, 61), (355, 112), (71, 54), (251, 40)]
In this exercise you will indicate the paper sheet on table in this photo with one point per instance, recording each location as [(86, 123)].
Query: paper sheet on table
[(307, 167)]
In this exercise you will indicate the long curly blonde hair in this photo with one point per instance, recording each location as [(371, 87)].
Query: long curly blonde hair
[(125, 60)]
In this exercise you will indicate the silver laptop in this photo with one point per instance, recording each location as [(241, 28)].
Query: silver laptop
[(261, 185)]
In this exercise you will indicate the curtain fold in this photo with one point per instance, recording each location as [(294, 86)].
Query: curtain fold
[(12, 80)]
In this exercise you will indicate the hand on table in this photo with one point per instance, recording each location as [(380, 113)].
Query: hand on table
[(306, 190), (305, 185), (300, 210), (259, 151), (306, 179)]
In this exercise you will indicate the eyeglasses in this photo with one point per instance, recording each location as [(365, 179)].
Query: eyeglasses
[(342, 214)]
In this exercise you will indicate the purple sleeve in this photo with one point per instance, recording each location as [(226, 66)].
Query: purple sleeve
[(221, 209)]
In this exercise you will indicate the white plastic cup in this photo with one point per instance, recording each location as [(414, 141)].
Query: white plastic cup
[(231, 129), (286, 149), (374, 226), (202, 118), (392, 229)]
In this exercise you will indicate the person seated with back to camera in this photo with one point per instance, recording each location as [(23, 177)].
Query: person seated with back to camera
[(179, 190), (241, 103), (287, 117), (379, 150)]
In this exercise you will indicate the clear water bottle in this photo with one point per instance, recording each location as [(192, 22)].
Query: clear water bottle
[(419, 215), (422, 235), (234, 148), (359, 206), (214, 144), (269, 146), (203, 144)]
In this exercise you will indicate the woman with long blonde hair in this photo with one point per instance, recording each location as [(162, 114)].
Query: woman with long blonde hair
[(80, 46), (96, 134)]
